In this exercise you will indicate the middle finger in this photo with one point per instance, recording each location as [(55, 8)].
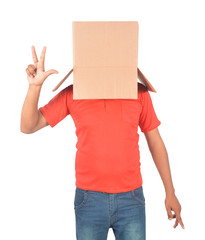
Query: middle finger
[(42, 59), (176, 223)]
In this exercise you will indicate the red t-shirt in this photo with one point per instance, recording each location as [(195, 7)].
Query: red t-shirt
[(107, 157)]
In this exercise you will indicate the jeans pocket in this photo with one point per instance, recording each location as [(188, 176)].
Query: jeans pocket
[(138, 195), (80, 199)]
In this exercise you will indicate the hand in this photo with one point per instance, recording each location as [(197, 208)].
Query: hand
[(35, 72), (172, 203)]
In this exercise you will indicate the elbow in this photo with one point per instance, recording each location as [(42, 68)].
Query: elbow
[(158, 147), (156, 144), (25, 130)]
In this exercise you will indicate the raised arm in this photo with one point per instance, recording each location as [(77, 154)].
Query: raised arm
[(31, 118)]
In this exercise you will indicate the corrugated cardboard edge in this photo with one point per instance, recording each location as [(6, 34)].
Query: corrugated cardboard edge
[(58, 85), (141, 77), (145, 81)]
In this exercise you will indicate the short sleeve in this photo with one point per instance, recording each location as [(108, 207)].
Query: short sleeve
[(57, 108), (148, 119)]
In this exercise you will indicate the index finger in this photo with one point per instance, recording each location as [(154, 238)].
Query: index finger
[(35, 59), (179, 219)]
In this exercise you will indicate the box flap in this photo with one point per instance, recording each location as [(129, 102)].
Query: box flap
[(105, 60), (141, 77)]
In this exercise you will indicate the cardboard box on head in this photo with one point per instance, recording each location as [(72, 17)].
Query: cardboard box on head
[(105, 60)]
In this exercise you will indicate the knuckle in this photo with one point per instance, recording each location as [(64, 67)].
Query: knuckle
[(31, 72), (31, 66)]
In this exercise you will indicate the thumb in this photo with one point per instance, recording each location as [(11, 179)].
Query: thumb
[(49, 72), (170, 215)]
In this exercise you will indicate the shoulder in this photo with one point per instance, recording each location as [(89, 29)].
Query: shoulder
[(142, 88), (65, 93), (142, 91), (67, 90)]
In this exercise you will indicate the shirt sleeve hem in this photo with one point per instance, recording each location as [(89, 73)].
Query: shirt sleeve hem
[(151, 128), (46, 117)]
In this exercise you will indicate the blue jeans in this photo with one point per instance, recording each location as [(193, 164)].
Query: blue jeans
[(96, 212)]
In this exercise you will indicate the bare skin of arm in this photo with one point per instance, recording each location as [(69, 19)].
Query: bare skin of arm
[(31, 117), (161, 160)]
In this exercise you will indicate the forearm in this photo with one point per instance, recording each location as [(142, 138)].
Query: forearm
[(29, 114), (161, 160)]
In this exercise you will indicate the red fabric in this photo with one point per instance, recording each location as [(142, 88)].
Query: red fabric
[(107, 156)]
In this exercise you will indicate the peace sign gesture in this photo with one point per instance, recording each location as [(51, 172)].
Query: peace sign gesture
[(36, 74)]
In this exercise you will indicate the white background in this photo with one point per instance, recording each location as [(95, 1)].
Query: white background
[(37, 177)]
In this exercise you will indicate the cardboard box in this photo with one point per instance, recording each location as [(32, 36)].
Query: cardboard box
[(105, 60)]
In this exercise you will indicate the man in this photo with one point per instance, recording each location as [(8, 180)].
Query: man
[(109, 189)]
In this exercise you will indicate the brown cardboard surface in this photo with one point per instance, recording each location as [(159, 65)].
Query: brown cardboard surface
[(105, 60), (141, 77)]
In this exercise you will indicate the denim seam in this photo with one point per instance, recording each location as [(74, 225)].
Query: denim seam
[(83, 202), (137, 198)]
